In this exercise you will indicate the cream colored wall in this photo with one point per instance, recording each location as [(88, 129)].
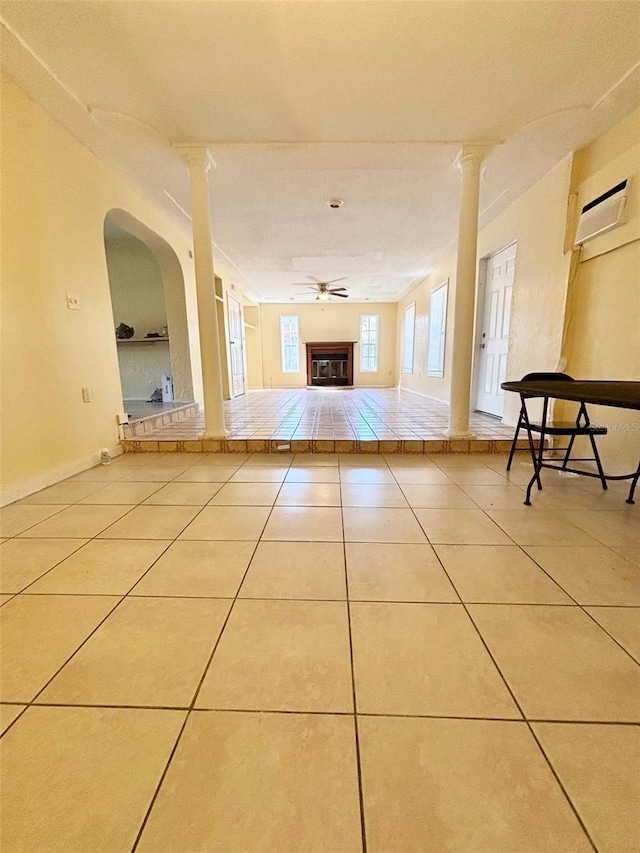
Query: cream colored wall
[(137, 299), (536, 220), (603, 320), (329, 322), (55, 197), (253, 341)]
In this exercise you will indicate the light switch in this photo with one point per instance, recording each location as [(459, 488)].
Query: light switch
[(73, 301), (86, 395)]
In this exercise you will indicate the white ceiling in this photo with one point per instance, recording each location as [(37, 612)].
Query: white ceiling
[(303, 101)]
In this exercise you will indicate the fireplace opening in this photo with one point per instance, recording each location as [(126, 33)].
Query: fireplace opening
[(330, 364)]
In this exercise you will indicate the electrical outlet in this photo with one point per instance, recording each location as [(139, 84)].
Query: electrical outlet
[(86, 395), (73, 301)]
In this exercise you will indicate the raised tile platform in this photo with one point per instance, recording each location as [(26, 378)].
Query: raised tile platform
[(325, 421)]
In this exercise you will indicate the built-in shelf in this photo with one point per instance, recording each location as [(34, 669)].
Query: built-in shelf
[(140, 340)]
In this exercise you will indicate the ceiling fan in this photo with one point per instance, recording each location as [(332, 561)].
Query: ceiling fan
[(324, 289)]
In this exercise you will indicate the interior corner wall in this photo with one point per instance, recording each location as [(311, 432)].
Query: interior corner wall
[(253, 338), (603, 322), (331, 321), (55, 197), (536, 220)]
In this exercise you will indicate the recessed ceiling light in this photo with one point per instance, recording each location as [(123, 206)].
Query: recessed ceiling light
[(335, 203)]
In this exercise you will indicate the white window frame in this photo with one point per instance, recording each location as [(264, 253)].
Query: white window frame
[(285, 320), (365, 344), (437, 329), (408, 337)]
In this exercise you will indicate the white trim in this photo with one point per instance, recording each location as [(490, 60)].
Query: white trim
[(421, 394), (55, 475)]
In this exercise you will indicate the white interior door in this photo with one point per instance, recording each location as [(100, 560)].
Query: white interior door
[(494, 331), (236, 357)]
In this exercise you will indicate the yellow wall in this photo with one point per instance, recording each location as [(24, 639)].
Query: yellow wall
[(55, 197), (253, 342), (603, 320), (536, 220), (328, 322)]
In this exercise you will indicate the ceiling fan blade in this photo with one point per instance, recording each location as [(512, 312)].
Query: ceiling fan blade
[(341, 295), (335, 289), (334, 280), (301, 284)]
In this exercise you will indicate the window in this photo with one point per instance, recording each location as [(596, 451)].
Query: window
[(289, 344), (369, 334), (407, 338), (437, 330)]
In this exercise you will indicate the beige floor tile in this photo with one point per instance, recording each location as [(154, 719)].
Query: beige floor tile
[(207, 474), (277, 460), (387, 494), (150, 651), (623, 623), (66, 492), (377, 524), (610, 528), (122, 493), (475, 476), (16, 518), (4, 598), (147, 522), (198, 569), (461, 786), (304, 524), (156, 474), (385, 572), (24, 560), (631, 554), (408, 460), (68, 783), (437, 497), (460, 527), (462, 460), (313, 474), (246, 494), (361, 460), (101, 474), (559, 663), (102, 567), (424, 659), (265, 783), (504, 573), (185, 494), (421, 476), (309, 494), (575, 497), (228, 523), (496, 497), (359, 475), (260, 474), (591, 575), (598, 767), (296, 570), (223, 460), (282, 656), (320, 460), (39, 633), (78, 522), (538, 527), (8, 713)]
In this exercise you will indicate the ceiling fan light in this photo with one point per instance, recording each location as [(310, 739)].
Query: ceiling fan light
[(323, 296)]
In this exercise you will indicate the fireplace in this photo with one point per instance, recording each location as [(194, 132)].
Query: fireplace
[(330, 363)]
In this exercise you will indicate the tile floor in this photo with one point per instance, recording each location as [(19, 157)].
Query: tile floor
[(341, 654), (363, 414)]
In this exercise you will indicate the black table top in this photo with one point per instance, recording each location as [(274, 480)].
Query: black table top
[(623, 395)]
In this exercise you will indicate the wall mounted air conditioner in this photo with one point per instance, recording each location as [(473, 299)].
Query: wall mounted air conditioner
[(602, 214)]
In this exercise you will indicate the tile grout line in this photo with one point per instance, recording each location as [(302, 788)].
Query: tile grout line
[(516, 702), (194, 699), (363, 828)]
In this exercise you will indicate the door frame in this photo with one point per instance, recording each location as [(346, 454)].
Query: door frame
[(477, 335)]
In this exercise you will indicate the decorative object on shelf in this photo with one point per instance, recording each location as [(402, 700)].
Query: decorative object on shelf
[(123, 331), (153, 335), (156, 397)]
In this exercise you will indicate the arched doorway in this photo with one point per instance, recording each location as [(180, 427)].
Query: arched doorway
[(147, 294)]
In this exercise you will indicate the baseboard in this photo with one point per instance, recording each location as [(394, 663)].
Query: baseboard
[(55, 475), (421, 394)]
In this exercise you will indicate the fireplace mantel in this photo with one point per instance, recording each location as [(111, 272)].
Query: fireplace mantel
[(342, 350)]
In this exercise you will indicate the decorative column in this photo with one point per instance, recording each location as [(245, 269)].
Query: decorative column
[(469, 161), (199, 161)]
